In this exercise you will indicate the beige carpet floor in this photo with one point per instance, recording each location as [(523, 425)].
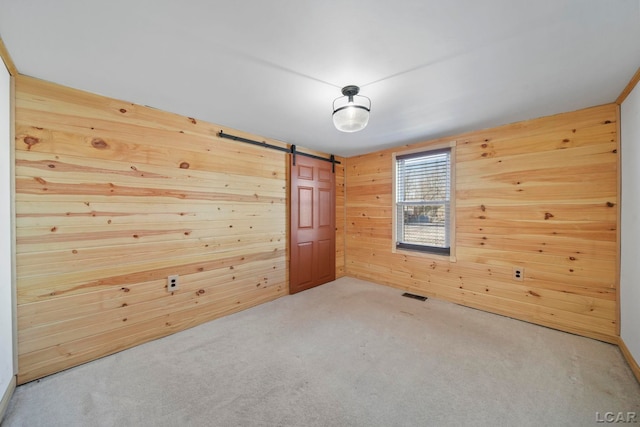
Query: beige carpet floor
[(349, 353)]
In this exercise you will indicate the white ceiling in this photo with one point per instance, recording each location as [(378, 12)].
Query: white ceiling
[(431, 67)]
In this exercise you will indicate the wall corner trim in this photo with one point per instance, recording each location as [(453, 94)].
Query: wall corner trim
[(629, 357), (630, 86), (4, 403), (8, 62)]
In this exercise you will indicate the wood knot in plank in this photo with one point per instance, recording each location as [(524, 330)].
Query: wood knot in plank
[(192, 120), (483, 208), (547, 215), (200, 292), (30, 141), (122, 110), (534, 294), (610, 205), (99, 143), (184, 165)]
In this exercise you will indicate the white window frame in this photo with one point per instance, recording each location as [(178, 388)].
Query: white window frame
[(452, 203)]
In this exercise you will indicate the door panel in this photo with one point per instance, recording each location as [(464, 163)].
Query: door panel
[(325, 175), (326, 208), (305, 172), (305, 263), (305, 207), (326, 258), (313, 244)]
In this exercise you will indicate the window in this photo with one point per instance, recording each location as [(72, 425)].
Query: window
[(423, 183)]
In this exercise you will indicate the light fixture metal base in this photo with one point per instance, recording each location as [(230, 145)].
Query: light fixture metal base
[(350, 90)]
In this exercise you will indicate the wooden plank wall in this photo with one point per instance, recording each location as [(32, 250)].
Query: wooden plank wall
[(540, 194), (114, 197), (340, 217)]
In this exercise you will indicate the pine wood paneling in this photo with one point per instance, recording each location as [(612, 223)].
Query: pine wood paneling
[(541, 194), (340, 217), (111, 198)]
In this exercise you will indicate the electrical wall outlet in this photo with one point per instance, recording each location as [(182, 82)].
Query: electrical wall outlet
[(518, 273), (172, 283)]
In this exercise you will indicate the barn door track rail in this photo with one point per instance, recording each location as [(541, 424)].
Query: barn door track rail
[(292, 150)]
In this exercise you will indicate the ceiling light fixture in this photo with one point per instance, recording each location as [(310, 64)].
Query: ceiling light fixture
[(351, 111)]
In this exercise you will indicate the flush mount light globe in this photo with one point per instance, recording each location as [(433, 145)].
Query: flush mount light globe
[(351, 111)]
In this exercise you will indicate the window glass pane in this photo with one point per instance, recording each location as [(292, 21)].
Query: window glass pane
[(423, 192), (423, 225), (424, 178)]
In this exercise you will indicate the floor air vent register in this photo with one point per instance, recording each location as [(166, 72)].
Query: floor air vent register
[(414, 296)]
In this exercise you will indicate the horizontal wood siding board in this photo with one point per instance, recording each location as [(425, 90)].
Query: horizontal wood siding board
[(105, 256)]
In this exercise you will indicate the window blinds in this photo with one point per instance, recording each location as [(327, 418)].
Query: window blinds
[(423, 192)]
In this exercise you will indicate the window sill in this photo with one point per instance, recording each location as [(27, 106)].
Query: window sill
[(423, 254)]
